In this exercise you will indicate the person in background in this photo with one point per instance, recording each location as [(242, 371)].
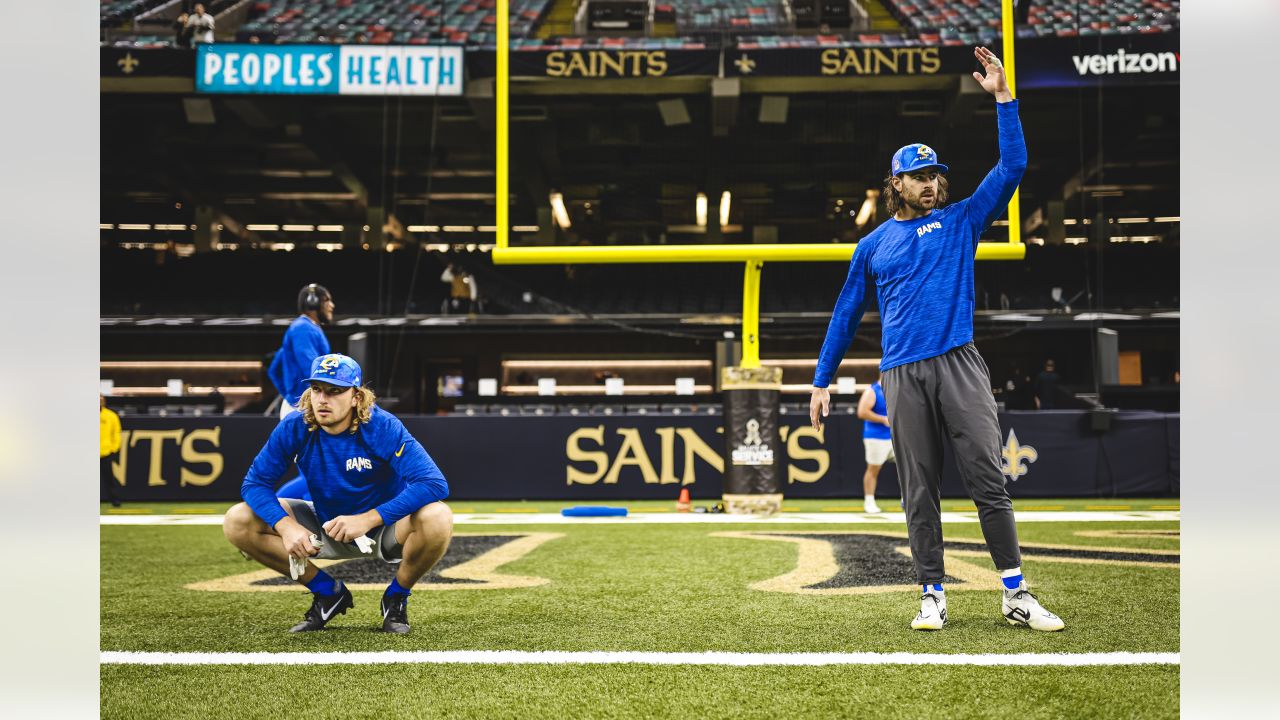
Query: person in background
[(201, 24), (876, 439), (304, 341), (1046, 387), (108, 447), (462, 289), (182, 32)]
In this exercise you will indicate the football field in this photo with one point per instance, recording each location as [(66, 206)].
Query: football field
[(653, 615)]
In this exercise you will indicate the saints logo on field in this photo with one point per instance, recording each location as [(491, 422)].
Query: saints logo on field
[(472, 563), (859, 563), (1014, 454)]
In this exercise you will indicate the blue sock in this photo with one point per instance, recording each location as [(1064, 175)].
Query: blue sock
[(1011, 579), (937, 587), (323, 584), (395, 588)]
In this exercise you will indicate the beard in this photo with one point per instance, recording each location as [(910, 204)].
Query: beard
[(917, 204)]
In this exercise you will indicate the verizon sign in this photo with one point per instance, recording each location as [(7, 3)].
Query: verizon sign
[(1152, 59), (1122, 62)]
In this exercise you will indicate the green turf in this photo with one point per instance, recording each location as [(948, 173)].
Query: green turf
[(645, 587), (790, 505), (630, 587), (629, 691)]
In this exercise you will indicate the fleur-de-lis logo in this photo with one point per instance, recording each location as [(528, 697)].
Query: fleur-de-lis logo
[(1014, 455), (128, 63), (745, 64)]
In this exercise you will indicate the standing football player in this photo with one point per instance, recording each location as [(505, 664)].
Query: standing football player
[(921, 260), (303, 342)]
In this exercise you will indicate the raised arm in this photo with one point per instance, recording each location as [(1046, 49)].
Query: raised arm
[(992, 196)]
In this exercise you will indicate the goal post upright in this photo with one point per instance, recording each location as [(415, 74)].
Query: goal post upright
[(754, 256)]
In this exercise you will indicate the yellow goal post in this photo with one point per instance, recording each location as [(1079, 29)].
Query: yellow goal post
[(752, 255)]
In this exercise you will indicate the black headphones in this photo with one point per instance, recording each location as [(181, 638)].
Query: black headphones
[(310, 298)]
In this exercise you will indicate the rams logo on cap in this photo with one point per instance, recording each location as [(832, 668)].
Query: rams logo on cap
[(329, 362), (925, 152)]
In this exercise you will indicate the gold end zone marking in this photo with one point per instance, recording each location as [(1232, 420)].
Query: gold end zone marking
[(1041, 508), (128, 511), (482, 569), (1108, 507), (193, 511), (1166, 507), (816, 563), (842, 509), (515, 510)]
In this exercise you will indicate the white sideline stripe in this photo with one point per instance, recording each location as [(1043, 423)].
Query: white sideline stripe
[(521, 657), (642, 518)]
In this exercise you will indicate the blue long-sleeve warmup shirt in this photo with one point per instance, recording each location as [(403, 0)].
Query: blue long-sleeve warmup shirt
[(304, 341), (380, 466), (923, 269)]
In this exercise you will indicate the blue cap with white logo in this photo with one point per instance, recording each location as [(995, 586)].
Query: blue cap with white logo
[(915, 156), (335, 369)]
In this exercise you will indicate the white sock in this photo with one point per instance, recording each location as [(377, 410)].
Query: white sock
[(1011, 579), (869, 499)]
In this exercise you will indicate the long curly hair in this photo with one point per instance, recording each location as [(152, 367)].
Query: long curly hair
[(363, 407), (893, 199)]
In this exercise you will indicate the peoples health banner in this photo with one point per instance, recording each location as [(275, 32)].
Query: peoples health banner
[(329, 69)]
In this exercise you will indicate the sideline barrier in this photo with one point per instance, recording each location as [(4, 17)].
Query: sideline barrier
[(622, 457)]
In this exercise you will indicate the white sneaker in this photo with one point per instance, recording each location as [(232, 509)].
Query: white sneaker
[(1020, 607), (870, 507), (933, 612)]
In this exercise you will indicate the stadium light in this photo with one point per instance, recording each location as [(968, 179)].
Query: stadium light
[(868, 207), (700, 209), (725, 201), (559, 211)]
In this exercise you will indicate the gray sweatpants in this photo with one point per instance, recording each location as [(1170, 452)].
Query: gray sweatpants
[(928, 400)]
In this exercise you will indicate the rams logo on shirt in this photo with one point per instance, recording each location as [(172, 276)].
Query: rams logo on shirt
[(358, 464), (928, 227)]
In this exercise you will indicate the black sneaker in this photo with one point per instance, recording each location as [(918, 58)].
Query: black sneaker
[(324, 608), (395, 613)]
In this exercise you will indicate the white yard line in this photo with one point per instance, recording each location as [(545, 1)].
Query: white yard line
[(644, 518), (521, 657)]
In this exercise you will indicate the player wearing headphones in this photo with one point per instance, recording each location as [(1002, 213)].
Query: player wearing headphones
[(304, 341), (377, 494)]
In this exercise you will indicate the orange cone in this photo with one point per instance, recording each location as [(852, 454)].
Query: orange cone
[(683, 504)]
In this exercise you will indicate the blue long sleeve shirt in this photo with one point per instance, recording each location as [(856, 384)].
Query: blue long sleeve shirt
[(379, 467), (304, 341), (923, 269)]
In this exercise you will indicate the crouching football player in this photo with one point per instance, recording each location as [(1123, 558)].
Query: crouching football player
[(368, 477)]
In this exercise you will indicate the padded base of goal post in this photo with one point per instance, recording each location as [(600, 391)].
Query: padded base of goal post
[(752, 485), (764, 505)]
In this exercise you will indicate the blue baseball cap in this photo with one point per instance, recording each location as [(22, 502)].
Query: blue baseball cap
[(335, 369), (913, 157)]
